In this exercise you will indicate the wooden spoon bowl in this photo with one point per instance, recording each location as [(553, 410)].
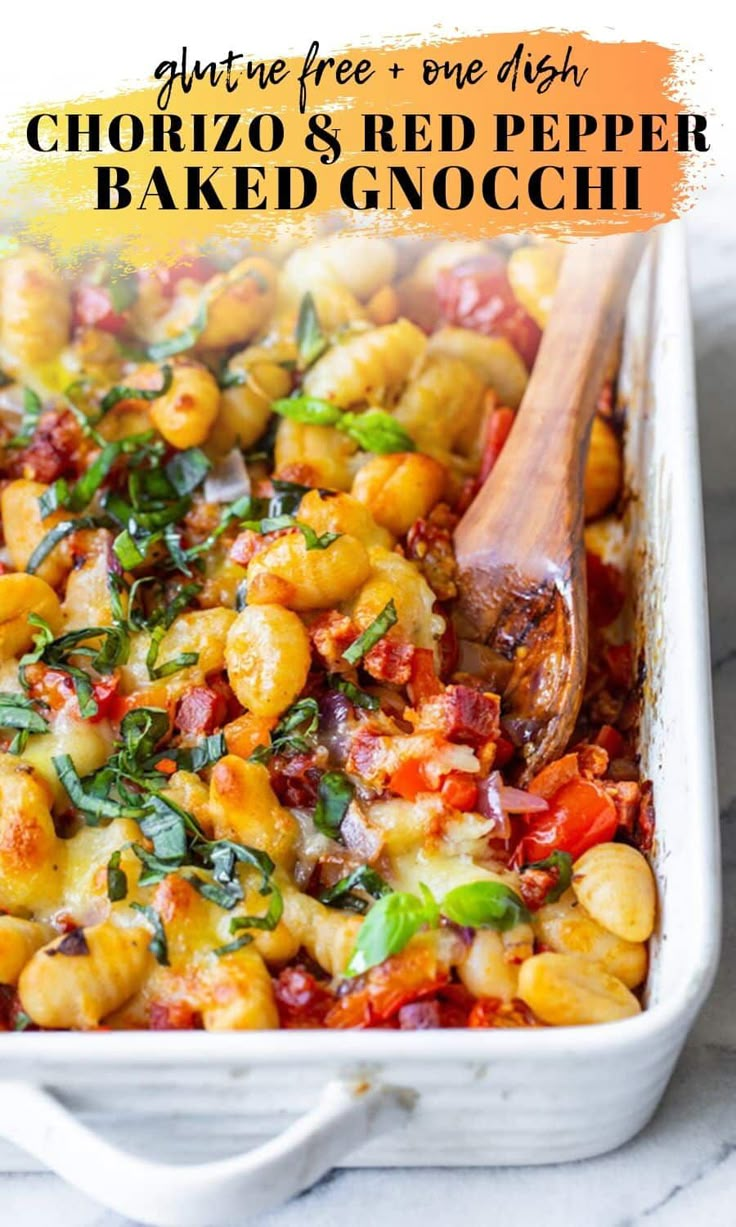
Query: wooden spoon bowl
[(519, 546)]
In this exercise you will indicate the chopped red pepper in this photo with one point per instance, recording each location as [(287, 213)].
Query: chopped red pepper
[(93, 308), (459, 791), (498, 429), (580, 815)]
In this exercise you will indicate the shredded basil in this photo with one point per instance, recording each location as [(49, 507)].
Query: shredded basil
[(117, 881), (275, 524), (239, 943), (185, 339), (360, 698), (373, 430), (343, 895), (58, 533), (121, 392), (310, 339), (309, 410), (187, 470), (17, 712), (32, 410), (294, 734), (387, 618), (123, 291), (562, 862), (158, 944), (93, 806), (334, 794)]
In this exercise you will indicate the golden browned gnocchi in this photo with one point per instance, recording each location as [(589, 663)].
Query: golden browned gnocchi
[(249, 778)]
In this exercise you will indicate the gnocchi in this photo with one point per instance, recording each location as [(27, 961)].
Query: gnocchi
[(249, 778)]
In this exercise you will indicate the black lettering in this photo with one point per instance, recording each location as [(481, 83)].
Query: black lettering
[(411, 191), (536, 194), (489, 187), (229, 128), (465, 187), (32, 134), (158, 188), (106, 185)]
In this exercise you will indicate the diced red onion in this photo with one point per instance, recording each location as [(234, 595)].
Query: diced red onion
[(496, 801), (360, 836), (419, 1016), (517, 801), (228, 480), (489, 805)]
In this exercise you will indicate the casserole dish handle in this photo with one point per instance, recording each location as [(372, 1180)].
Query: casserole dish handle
[(347, 1115)]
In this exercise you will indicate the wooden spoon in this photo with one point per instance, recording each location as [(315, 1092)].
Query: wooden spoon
[(519, 546)]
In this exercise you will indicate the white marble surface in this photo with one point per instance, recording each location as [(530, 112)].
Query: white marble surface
[(682, 1169)]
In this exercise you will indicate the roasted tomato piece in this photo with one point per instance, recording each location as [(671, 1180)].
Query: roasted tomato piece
[(54, 451), (177, 1016), (606, 590), (302, 1000), (492, 1012), (93, 308), (580, 814), (459, 791), (377, 996), (478, 295), (498, 429)]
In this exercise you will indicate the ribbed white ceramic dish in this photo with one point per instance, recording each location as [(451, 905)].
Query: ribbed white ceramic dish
[(89, 1105)]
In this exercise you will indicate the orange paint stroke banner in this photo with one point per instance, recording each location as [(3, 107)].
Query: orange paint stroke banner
[(472, 136)]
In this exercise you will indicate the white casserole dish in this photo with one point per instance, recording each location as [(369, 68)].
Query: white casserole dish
[(446, 1097)]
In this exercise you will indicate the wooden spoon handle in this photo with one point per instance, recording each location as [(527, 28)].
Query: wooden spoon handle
[(535, 491)]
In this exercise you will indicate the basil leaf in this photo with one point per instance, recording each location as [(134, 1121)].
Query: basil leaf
[(121, 392), (308, 409), (127, 551), (54, 497), (117, 881), (334, 794), (374, 430), (363, 878), (32, 410), (372, 634), (294, 734), (387, 929), (485, 905), (230, 947), (360, 698), (185, 339), (58, 533), (187, 470), (310, 339), (22, 1021), (286, 497), (154, 870), (225, 897), (94, 808), (223, 855), (165, 825), (266, 922), (17, 712), (562, 862), (275, 524), (123, 292), (158, 944), (210, 750)]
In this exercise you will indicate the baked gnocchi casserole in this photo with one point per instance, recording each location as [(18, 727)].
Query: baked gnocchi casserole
[(249, 776)]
